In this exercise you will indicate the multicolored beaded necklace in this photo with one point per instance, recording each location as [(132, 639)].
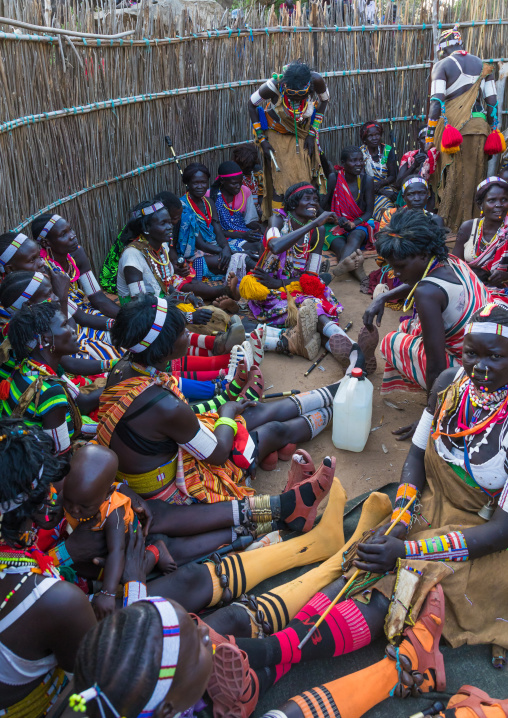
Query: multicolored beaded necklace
[(230, 207), (302, 249), (161, 269), (481, 244), (73, 272), (196, 210)]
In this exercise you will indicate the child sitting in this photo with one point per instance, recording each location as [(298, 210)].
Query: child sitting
[(90, 494)]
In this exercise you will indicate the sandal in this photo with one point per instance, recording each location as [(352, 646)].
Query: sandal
[(411, 679), (241, 377), (475, 699), (300, 470), (321, 482), (368, 341), (233, 686), (340, 347), (254, 381)]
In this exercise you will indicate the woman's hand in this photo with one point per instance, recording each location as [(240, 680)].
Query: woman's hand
[(326, 218), (380, 554), (140, 507), (376, 309), (134, 557), (183, 270), (266, 279), (201, 316), (252, 235), (405, 432), (234, 408), (224, 257), (266, 147), (310, 145), (60, 283), (399, 531), (195, 301), (498, 278), (103, 605)]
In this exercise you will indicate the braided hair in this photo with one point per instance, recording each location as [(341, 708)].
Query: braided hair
[(133, 323), (493, 312), (291, 201), (31, 321), (23, 451), (411, 232), (122, 654)]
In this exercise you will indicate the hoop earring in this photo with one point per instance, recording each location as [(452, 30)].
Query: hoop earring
[(472, 373)]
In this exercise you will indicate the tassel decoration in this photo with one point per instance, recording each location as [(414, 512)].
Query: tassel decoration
[(5, 387), (495, 143), (451, 140)]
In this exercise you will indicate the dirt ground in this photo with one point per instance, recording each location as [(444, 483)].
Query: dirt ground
[(375, 465)]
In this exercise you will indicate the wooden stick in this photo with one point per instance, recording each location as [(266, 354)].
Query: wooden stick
[(60, 31), (351, 581)]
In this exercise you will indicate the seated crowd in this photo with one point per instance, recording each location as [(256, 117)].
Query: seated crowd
[(132, 406)]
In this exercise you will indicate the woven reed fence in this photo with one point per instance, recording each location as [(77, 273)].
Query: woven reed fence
[(83, 120)]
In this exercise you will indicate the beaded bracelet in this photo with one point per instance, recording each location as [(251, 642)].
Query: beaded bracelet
[(449, 547), (431, 130), (109, 323), (405, 493), (133, 591), (224, 421), (153, 549), (105, 593), (316, 124), (60, 555)]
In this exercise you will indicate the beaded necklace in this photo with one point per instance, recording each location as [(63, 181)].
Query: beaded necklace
[(498, 412), (145, 370), (196, 210), (162, 270), (40, 367), (408, 304), (230, 207), (295, 113), (302, 249), (26, 562), (51, 262), (482, 244)]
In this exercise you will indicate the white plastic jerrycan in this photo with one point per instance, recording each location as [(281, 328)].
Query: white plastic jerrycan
[(352, 412)]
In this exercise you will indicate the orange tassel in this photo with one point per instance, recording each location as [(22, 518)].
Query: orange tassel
[(451, 140), (495, 143), (5, 387)]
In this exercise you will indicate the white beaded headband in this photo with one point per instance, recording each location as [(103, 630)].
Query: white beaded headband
[(48, 226), (169, 660), (156, 207), (486, 328), (492, 180), (414, 180), (160, 318), (28, 293), (11, 250)]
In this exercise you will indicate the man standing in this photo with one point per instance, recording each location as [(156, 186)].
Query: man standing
[(289, 128), (461, 85)]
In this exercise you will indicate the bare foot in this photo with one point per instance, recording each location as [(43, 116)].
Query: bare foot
[(345, 266), (165, 562), (358, 258), (226, 304), (232, 282)]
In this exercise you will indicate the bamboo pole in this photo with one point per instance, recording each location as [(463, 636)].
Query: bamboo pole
[(60, 31)]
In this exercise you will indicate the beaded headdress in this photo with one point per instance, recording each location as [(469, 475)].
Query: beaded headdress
[(487, 327), (414, 180), (11, 250), (170, 651), (492, 180), (33, 286), (450, 37), (160, 318), (48, 226), (155, 207)]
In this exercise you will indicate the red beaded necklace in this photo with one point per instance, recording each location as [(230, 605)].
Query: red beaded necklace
[(208, 209)]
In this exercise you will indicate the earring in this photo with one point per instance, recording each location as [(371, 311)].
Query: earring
[(52, 348), (486, 373), (472, 373)]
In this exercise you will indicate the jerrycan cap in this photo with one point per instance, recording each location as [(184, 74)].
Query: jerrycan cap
[(357, 374)]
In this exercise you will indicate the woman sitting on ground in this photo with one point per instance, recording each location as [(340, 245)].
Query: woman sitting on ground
[(451, 545), (109, 271), (381, 165), (20, 288), (43, 618), (291, 263), (236, 210), (415, 193), (247, 157), (35, 389), (201, 240), (164, 450), (351, 197), (483, 243), (443, 293)]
